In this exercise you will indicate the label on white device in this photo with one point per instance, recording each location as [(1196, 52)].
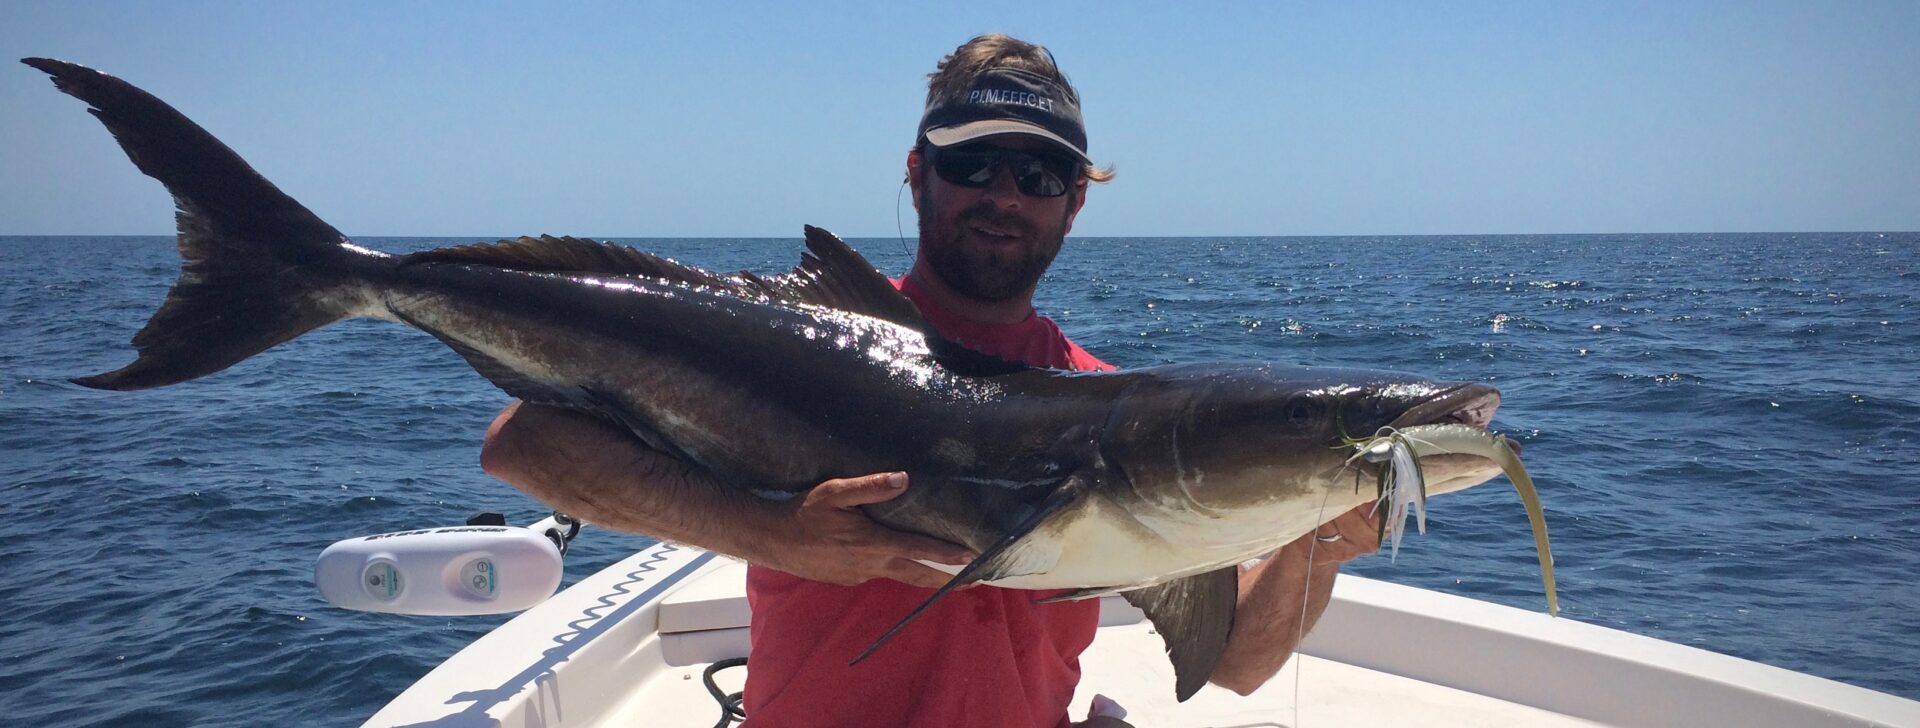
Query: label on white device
[(478, 576), (459, 570), (383, 580)]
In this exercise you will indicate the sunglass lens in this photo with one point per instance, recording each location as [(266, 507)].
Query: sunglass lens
[(1037, 180), (976, 170), (1034, 175)]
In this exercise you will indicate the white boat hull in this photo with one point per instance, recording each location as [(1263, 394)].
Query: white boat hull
[(626, 646)]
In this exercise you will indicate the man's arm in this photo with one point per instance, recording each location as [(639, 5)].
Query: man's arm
[(598, 472), (1283, 596)]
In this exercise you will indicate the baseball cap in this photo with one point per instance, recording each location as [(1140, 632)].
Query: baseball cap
[(1007, 101)]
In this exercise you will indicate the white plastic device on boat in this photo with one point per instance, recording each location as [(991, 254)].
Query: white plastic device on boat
[(485, 567)]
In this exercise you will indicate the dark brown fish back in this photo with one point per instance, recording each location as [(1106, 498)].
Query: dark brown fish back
[(571, 255), (830, 274)]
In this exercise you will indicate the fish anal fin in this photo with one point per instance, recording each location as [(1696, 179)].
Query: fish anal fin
[(600, 403), (1013, 554), (1193, 615), (1079, 594), (509, 380), (573, 396)]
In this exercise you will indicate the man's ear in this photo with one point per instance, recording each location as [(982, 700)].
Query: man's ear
[(914, 177), (1075, 200)]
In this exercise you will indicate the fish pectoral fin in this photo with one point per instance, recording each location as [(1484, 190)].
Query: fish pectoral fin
[(1021, 557), (1008, 557), (1194, 615)]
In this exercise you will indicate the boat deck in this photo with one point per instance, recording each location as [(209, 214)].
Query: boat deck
[(627, 647), (706, 621)]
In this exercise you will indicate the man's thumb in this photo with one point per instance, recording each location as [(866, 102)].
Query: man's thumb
[(850, 492)]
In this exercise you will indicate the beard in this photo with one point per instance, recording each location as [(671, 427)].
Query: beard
[(992, 273)]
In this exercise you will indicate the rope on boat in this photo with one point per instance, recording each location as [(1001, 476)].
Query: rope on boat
[(730, 707)]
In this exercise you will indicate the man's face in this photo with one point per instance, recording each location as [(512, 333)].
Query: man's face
[(991, 243)]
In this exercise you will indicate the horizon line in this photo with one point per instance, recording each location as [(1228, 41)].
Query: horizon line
[(1069, 238)]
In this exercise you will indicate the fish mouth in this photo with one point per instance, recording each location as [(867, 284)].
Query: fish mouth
[(1468, 404), (1471, 405)]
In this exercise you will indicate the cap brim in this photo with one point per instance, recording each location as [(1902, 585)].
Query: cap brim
[(948, 136)]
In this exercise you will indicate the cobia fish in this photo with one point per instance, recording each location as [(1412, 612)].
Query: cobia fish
[(1151, 482)]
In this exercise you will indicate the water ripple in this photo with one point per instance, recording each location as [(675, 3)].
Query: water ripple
[(1716, 422)]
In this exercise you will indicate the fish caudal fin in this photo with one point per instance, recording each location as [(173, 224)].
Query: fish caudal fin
[(256, 265)]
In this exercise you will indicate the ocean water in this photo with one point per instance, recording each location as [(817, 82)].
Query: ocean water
[(1723, 427)]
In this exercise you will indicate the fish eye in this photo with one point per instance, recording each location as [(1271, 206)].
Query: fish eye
[(1302, 410)]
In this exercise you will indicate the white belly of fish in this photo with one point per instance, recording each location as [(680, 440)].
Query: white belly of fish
[(1102, 545)]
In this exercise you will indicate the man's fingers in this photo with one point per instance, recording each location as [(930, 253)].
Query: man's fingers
[(917, 574), (871, 548), (923, 548), (1346, 537), (1361, 525), (850, 492)]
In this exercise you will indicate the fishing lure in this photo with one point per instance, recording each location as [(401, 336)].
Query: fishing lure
[(1403, 490)]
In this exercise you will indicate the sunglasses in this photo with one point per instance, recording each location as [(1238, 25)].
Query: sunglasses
[(1035, 174)]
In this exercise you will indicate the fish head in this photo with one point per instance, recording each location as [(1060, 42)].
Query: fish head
[(1216, 439)]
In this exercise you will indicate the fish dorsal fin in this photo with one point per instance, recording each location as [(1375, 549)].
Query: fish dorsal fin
[(1194, 616), (832, 274), (549, 254)]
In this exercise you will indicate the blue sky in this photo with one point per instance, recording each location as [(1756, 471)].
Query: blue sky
[(740, 119)]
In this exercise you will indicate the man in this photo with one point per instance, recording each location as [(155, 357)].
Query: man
[(998, 172)]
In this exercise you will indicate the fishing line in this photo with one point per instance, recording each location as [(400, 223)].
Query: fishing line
[(898, 229), (1306, 596)]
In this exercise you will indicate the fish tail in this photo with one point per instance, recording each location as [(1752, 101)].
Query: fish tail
[(257, 268)]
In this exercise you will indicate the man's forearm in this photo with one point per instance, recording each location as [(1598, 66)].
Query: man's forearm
[(1281, 598), (600, 473), (595, 471)]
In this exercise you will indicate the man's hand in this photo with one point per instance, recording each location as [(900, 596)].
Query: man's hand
[(1347, 537), (827, 538)]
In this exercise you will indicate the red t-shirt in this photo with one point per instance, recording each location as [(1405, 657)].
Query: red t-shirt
[(979, 657)]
